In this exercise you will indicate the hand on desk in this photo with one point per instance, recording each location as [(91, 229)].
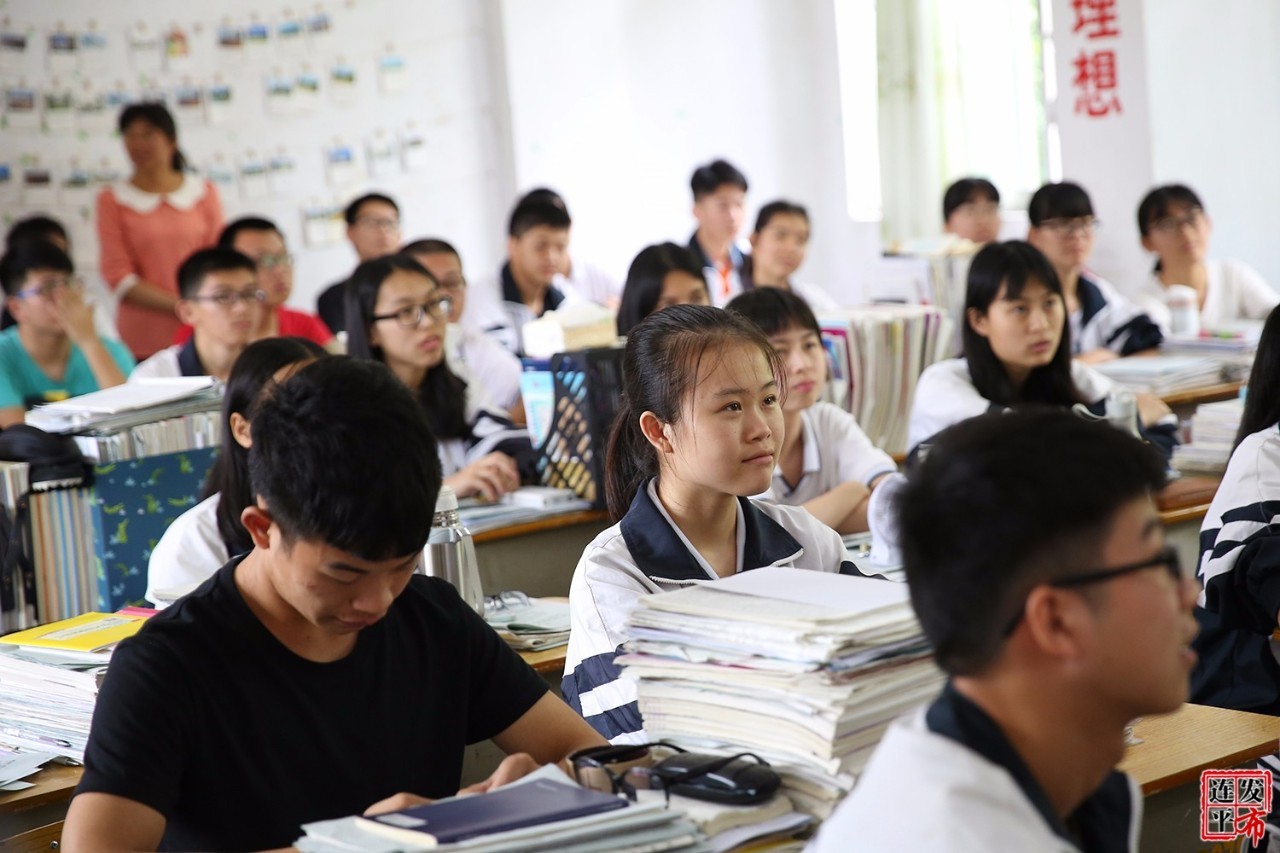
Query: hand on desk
[(492, 476), (513, 767)]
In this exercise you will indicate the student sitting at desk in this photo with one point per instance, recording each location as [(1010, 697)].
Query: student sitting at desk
[(1017, 352), (826, 462), (396, 314), (54, 351), (317, 676), (1047, 591), (1104, 324), (660, 276), (220, 300), (203, 538), (778, 246), (699, 430), (1176, 229)]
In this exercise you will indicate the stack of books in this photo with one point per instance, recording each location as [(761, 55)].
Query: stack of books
[(877, 354), (1162, 375), (533, 625), (49, 680), (1232, 345), (1213, 433), (543, 811), (805, 669)]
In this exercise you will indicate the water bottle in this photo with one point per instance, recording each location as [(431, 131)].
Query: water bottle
[(450, 554)]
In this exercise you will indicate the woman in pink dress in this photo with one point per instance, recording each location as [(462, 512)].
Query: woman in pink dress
[(149, 224)]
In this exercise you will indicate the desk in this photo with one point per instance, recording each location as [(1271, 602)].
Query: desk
[(537, 557), (1182, 506), (1184, 403)]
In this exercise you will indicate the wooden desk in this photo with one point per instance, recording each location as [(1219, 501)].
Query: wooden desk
[(549, 662), (1204, 394), (569, 519), (1177, 747), (54, 784), (536, 557), (1186, 498)]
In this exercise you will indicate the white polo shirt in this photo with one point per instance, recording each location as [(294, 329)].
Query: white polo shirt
[(836, 451), (1234, 291)]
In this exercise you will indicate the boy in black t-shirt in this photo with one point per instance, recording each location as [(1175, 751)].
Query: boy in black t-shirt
[(317, 676)]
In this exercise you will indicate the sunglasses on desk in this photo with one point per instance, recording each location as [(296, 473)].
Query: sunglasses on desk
[(626, 769)]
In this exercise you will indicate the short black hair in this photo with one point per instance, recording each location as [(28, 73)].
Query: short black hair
[(204, 261), (1155, 204), (780, 207), (23, 258), (352, 211), (342, 454), (543, 194), (530, 214), (35, 228), (988, 515), (711, 177), (430, 246), (775, 310), (964, 191), (227, 239), (1058, 201)]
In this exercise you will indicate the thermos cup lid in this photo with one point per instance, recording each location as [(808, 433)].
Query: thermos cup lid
[(448, 499)]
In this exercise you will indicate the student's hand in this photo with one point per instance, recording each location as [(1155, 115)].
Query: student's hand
[(491, 476), (1097, 356), (395, 803), (1151, 409), (513, 767), (73, 314)]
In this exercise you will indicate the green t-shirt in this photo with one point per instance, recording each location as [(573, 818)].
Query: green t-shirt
[(23, 383)]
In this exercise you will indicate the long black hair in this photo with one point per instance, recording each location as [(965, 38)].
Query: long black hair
[(643, 287), (1262, 401), (443, 393), (251, 381), (1011, 266), (659, 370), (158, 116)]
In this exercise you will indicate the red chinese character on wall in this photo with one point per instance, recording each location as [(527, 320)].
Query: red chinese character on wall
[(1095, 83), (1097, 17)]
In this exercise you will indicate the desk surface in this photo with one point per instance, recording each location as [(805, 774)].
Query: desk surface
[(568, 519), (1177, 747), (1186, 499), (1204, 394)]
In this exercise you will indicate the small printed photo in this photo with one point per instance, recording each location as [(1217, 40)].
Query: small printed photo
[(257, 34), (176, 45), (10, 40), (319, 23), (37, 177), (220, 94), (391, 63), (76, 179), (92, 41), (339, 155), (57, 100), (20, 100), (6, 174), (188, 96), (343, 74), (252, 169), (280, 163), (117, 98), (62, 42), (230, 37), (308, 82), (288, 29), (279, 87)]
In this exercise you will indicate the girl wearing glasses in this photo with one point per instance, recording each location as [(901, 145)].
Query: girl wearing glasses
[(699, 429), (205, 537), (1176, 229), (1017, 352), (1104, 324), (396, 313)]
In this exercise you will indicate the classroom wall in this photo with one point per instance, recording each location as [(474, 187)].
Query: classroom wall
[(1214, 82)]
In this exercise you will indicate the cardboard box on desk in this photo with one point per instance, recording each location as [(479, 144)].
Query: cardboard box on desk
[(92, 545)]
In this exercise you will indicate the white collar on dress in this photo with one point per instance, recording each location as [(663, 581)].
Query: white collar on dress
[(184, 197)]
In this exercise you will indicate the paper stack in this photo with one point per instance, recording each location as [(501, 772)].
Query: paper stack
[(49, 679), (1213, 434), (1162, 375), (805, 669), (128, 405), (533, 626), (1232, 345)]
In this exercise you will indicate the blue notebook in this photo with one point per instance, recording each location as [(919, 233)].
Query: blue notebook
[(513, 807)]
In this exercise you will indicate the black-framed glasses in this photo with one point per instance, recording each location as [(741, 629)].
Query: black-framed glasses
[(411, 315), (229, 298), (1166, 556), (1075, 224)]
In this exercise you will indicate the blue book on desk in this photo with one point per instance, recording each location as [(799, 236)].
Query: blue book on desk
[(513, 807)]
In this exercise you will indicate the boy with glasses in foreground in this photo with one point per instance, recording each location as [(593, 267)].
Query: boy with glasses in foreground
[(1046, 588)]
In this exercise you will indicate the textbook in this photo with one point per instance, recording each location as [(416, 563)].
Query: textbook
[(90, 632), (513, 807)]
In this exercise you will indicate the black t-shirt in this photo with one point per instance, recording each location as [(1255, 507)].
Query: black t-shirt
[(237, 741), (331, 306)]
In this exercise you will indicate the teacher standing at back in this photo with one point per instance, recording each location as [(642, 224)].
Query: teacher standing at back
[(148, 224)]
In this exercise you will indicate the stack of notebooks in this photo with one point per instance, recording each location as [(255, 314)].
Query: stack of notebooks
[(877, 354), (49, 680), (543, 811), (1232, 345), (805, 669), (535, 626), (1162, 375), (1213, 432)]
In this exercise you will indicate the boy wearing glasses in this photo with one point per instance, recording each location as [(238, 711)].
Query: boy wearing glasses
[(317, 676), (54, 351), (373, 229), (220, 300), (1050, 597)]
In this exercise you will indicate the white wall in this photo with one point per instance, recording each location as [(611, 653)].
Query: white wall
[(1214, 84)]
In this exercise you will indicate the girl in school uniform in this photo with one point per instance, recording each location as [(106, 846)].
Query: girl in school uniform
[(699, 429), (205, 537), (1104, 324), (826, 462), (779, 243), (1176, 229), (396, 313), (662, 275), (1017, 351)]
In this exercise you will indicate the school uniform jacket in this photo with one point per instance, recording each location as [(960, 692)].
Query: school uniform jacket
[(1240, 570), (946, 778), (494, 307), (645, 553), (1107, 320)]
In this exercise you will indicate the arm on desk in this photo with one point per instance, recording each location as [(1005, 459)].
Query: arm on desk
[(111, 824)]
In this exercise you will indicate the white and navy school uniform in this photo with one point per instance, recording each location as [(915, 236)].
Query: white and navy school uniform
[(1107, 320), (836, 451), (1234, 291), (489, 430), (494, 306), (590, 282), (647, 553), (171, 362), (946, 777), (481, 359), (736, 279)]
